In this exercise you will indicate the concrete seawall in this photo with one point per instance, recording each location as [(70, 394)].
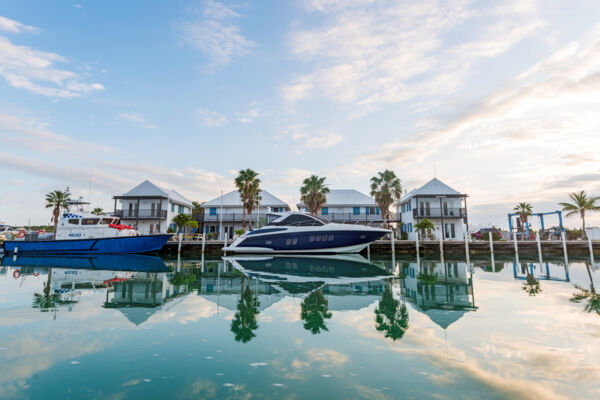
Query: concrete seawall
[(428, 247)]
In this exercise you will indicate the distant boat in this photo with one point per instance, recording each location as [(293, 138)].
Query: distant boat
[(85, 233), (301, 233)]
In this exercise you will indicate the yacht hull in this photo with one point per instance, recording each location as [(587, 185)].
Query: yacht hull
[(307, 242), (111, 245)]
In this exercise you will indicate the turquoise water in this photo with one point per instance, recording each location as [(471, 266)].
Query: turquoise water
[(333, 327)]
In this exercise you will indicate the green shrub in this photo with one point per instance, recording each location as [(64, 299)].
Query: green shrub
[(495, 236), (170, 230), (239, 232)]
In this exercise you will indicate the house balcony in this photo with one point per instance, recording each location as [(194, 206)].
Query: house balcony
[(141, 214), (448, 213)]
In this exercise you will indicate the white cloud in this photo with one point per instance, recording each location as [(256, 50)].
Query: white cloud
[(33, 70), (215, 35), (250, 115), (366, 54), (315, 140), (9, 25), (210, 118), (136, 118)]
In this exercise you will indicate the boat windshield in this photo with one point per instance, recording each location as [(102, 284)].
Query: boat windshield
[(298, 220)]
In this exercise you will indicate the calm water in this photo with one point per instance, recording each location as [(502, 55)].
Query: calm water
[(335, 328)]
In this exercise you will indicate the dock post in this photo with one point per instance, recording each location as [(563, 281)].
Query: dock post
[(225, 244), (491, 243), (203, 242), (442, 245), (467, 248), (591, 249), (179, 244), (564, 242), (539, 246), (369, 252), (393, 252), (417, 245), (515, 242)]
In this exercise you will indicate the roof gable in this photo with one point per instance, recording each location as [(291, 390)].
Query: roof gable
[(432, 188), (232, 199), (346, 197), (148, 188)]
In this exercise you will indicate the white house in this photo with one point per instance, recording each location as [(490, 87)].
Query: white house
[(150, 209), (347, 205), (232, 211), (437, 202)]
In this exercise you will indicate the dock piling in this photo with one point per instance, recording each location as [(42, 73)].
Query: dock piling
[(491, 237), (203, 243), (539, 246), (369, 252), (393, 251), (564, 243), (179, 244), (467, 247), (515, 242), (417, 246), (442, 245), (591, 249)]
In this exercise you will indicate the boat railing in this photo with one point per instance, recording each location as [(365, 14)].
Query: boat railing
[(141, 213)]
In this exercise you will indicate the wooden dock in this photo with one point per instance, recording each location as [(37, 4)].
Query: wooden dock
[(452, 248)]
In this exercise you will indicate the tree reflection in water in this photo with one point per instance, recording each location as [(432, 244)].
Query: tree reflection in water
[(48, 300), (391, 317), (314, 312), (244, 322), (593, 303), (531, 285)]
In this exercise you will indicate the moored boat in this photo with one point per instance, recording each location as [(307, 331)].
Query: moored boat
[(85, 233), (298, 232)]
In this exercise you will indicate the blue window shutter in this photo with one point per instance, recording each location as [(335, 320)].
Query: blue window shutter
[(325, 211), (213, 211), (172, 207), (356, 210), (377, 211)]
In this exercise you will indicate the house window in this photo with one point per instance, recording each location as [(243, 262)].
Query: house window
[(130, 210), (212, 211), (172, 207), (356, 211), (179, 209), (410, 227), (377, 210), (325, 211)]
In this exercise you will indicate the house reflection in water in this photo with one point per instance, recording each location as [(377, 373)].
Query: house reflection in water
[(444, 292)]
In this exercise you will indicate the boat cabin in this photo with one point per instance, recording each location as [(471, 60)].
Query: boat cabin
[(84, 225), (294, 219)]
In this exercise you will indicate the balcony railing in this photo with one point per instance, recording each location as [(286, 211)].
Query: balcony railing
[(439, 213), (141, 214), (331, 217)]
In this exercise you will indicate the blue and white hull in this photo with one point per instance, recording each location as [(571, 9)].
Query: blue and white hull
[(327, 239), (106, 245)]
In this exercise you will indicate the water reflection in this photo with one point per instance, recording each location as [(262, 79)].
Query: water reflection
[(265, 327), (593, 299), (391, 316), (443, 291)]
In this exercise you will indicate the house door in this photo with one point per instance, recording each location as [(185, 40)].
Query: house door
[(452, 231), (421, 208), (427, 209), (446, 208)]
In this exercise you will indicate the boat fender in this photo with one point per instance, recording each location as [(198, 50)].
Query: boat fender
[(16, 274), (21, 233)]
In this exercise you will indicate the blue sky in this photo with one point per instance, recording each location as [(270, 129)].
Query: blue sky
[(98, 96)]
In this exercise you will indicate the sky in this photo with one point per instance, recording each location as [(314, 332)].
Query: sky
[(498, 99)]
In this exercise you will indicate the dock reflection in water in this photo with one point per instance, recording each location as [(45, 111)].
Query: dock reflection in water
[(277, 326)]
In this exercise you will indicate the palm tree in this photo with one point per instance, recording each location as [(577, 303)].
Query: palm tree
[(581, 203), (391, 317), (97, 211), (386, 189), (424, 225), (244, 322), (248, 185), (313, 193), (56, 200), (524, 210), (593, 297), (183, 220), (314, 312)]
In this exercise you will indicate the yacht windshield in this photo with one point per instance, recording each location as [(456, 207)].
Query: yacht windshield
[(299, 220)]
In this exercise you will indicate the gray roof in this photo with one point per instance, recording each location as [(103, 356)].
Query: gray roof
[(148, 188), (432, 188), (346, 197), (232, 199)]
